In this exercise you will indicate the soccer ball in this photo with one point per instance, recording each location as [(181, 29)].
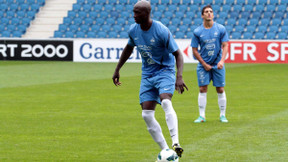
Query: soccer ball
[(167, 155)]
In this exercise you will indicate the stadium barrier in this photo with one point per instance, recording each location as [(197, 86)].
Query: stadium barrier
[(109, 50)]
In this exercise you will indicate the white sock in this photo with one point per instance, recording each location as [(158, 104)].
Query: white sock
[(154, 128), (222, 103), (202, 101), (171, 119)]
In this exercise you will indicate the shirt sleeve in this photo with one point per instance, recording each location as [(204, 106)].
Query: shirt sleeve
[(195, 40), (225, 37), (130, 39), (170, 43)]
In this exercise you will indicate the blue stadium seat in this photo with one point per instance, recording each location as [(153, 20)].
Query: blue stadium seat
[(176, 2), (73, 28), (186, 2), (229, 28), (86, 7), (117, 28), (193, 27), (122, 21), (91, 34), (100, 20), (279, 14), (21, 28), (248, 8), (130, 21), (267, 14), (242, 21), (229, 2), (189, 14), (218, 2), (4, 21), (101, 34), (241, 2), (69, 34), (179, 35), (168, 14), (10, 14), (6, 33), (270, 8), (41, 2), (223, 15), (183, 28), (88, 21), (11, 27), (15, 21), (221, 21), (77, 21), (112, 34), (157, 15), (1, 14), (239, 28), (265, 21), (172, 28), (247, 35), (30, 1), (129, 7), (176, 21), (101, 2), (71, 14), (25, 21), (93, 14), (262, 28), (276, 21), (285, 21), (273, 2), (165, 2), (108, 7), (76, 7), (58, 34), (226, 8), (185, 8), (237, 8), (256, 15), (271, 35), (262, 2), (284, 28), (273, 28), (231, 21), (253, 22), (259, 8), (172, 8), (95, 27), (165, 21), (258, 35), (112, 2), (234, 15), (282, 35), (281, 8), (197, 21), (284, 2), (154, 1), (250, 28), (82, 14), (67, 20), (13, 7), (63, 28), (21, 1), (80, 34), (91, 2), (105, 28), (216, 8), (245, 15), (161, 8), (4, 7), (84, 28), (104, 14), (251, 2), (97, 7), (236, 35), (179, 14), (123, 34), (119, 7)]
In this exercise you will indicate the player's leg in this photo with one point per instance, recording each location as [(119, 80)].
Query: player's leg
[(219, 83), (148, 99), (204, 78), (166, 87)]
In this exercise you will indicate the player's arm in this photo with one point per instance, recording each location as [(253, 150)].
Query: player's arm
[(224, 54), (179, 86), (196, 54), (123, 58)]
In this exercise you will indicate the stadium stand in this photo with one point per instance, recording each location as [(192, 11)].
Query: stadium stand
[(243, 19)]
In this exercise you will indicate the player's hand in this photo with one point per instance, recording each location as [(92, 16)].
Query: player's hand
[(220, 65), (207, 67), (116, 78), (180, 85)]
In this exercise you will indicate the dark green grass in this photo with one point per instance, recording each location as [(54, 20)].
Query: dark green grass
[(64, 111)]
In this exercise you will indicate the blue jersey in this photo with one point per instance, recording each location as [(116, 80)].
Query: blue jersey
[(155, 46), (210, 41)]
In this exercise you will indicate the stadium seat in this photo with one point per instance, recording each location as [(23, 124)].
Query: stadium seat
[(264, 21), (165, 21), (285, 21), (284, 2), (25, 21), (234, 15), (247, 35), (172, 28), (123, 34), (176, 21), (129, 7), (270, 8), (229, 28), (168, 14), (179, 35), (165, 2), (279, 14), (97, 7), (6, 33), (189, 14), (281, 8), (185, 8), (112, 2), (276, 21), (91, 34), (73, 28), (176, 2), (112, 34), (82, 14), (86, 7), (172, 8), (76, 7), (245, 15), (58, 34), (284, 28), (21, 28), (77, 21), (248, 8), (226, 8), (114, 14), (221, 21), (223, 15), (262, 28), (69, 34), (80, 34), (15, 21), (256, 15), (119, 7), (253, 22), (231, 21), (259, 8), (236, 35), (104, 14), (93, 14), (216, 8), (35, 7), (130, 21), (62, 28), (122, 21), (258, 35), (273, 28), (239, 28), (270, 35), (267, 15), (13, 7), (105, 28), (88, 21), (282, 35), (208, 2), (91, 2), (41, 2), (179, 14), (4, 7), (218, 2), (186, 2), (183, 28), (108, 7), (84, 28), (30, 1), (237, 8), (229, 2), (251, 2), (101, 2), (100, 20), (242, 21), (117, 28), (11, 27), (262, 2), (197, 21), (157, 15), (153, 1), (193, 27), (10, 14), (101, 34), (273, 2), (250, 28), (240, 2), (161, 8)]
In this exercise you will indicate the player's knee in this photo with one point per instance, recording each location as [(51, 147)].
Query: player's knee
[(147, 115), (220, 89), (166, 104)]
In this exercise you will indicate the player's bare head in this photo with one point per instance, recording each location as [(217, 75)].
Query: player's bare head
[(143, 5), (205, 8), (142, 11)]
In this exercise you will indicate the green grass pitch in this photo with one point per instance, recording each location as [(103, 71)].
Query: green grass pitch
[(65, 111)]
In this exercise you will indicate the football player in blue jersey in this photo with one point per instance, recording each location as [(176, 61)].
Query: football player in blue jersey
[(213, 40), (158, 51)]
